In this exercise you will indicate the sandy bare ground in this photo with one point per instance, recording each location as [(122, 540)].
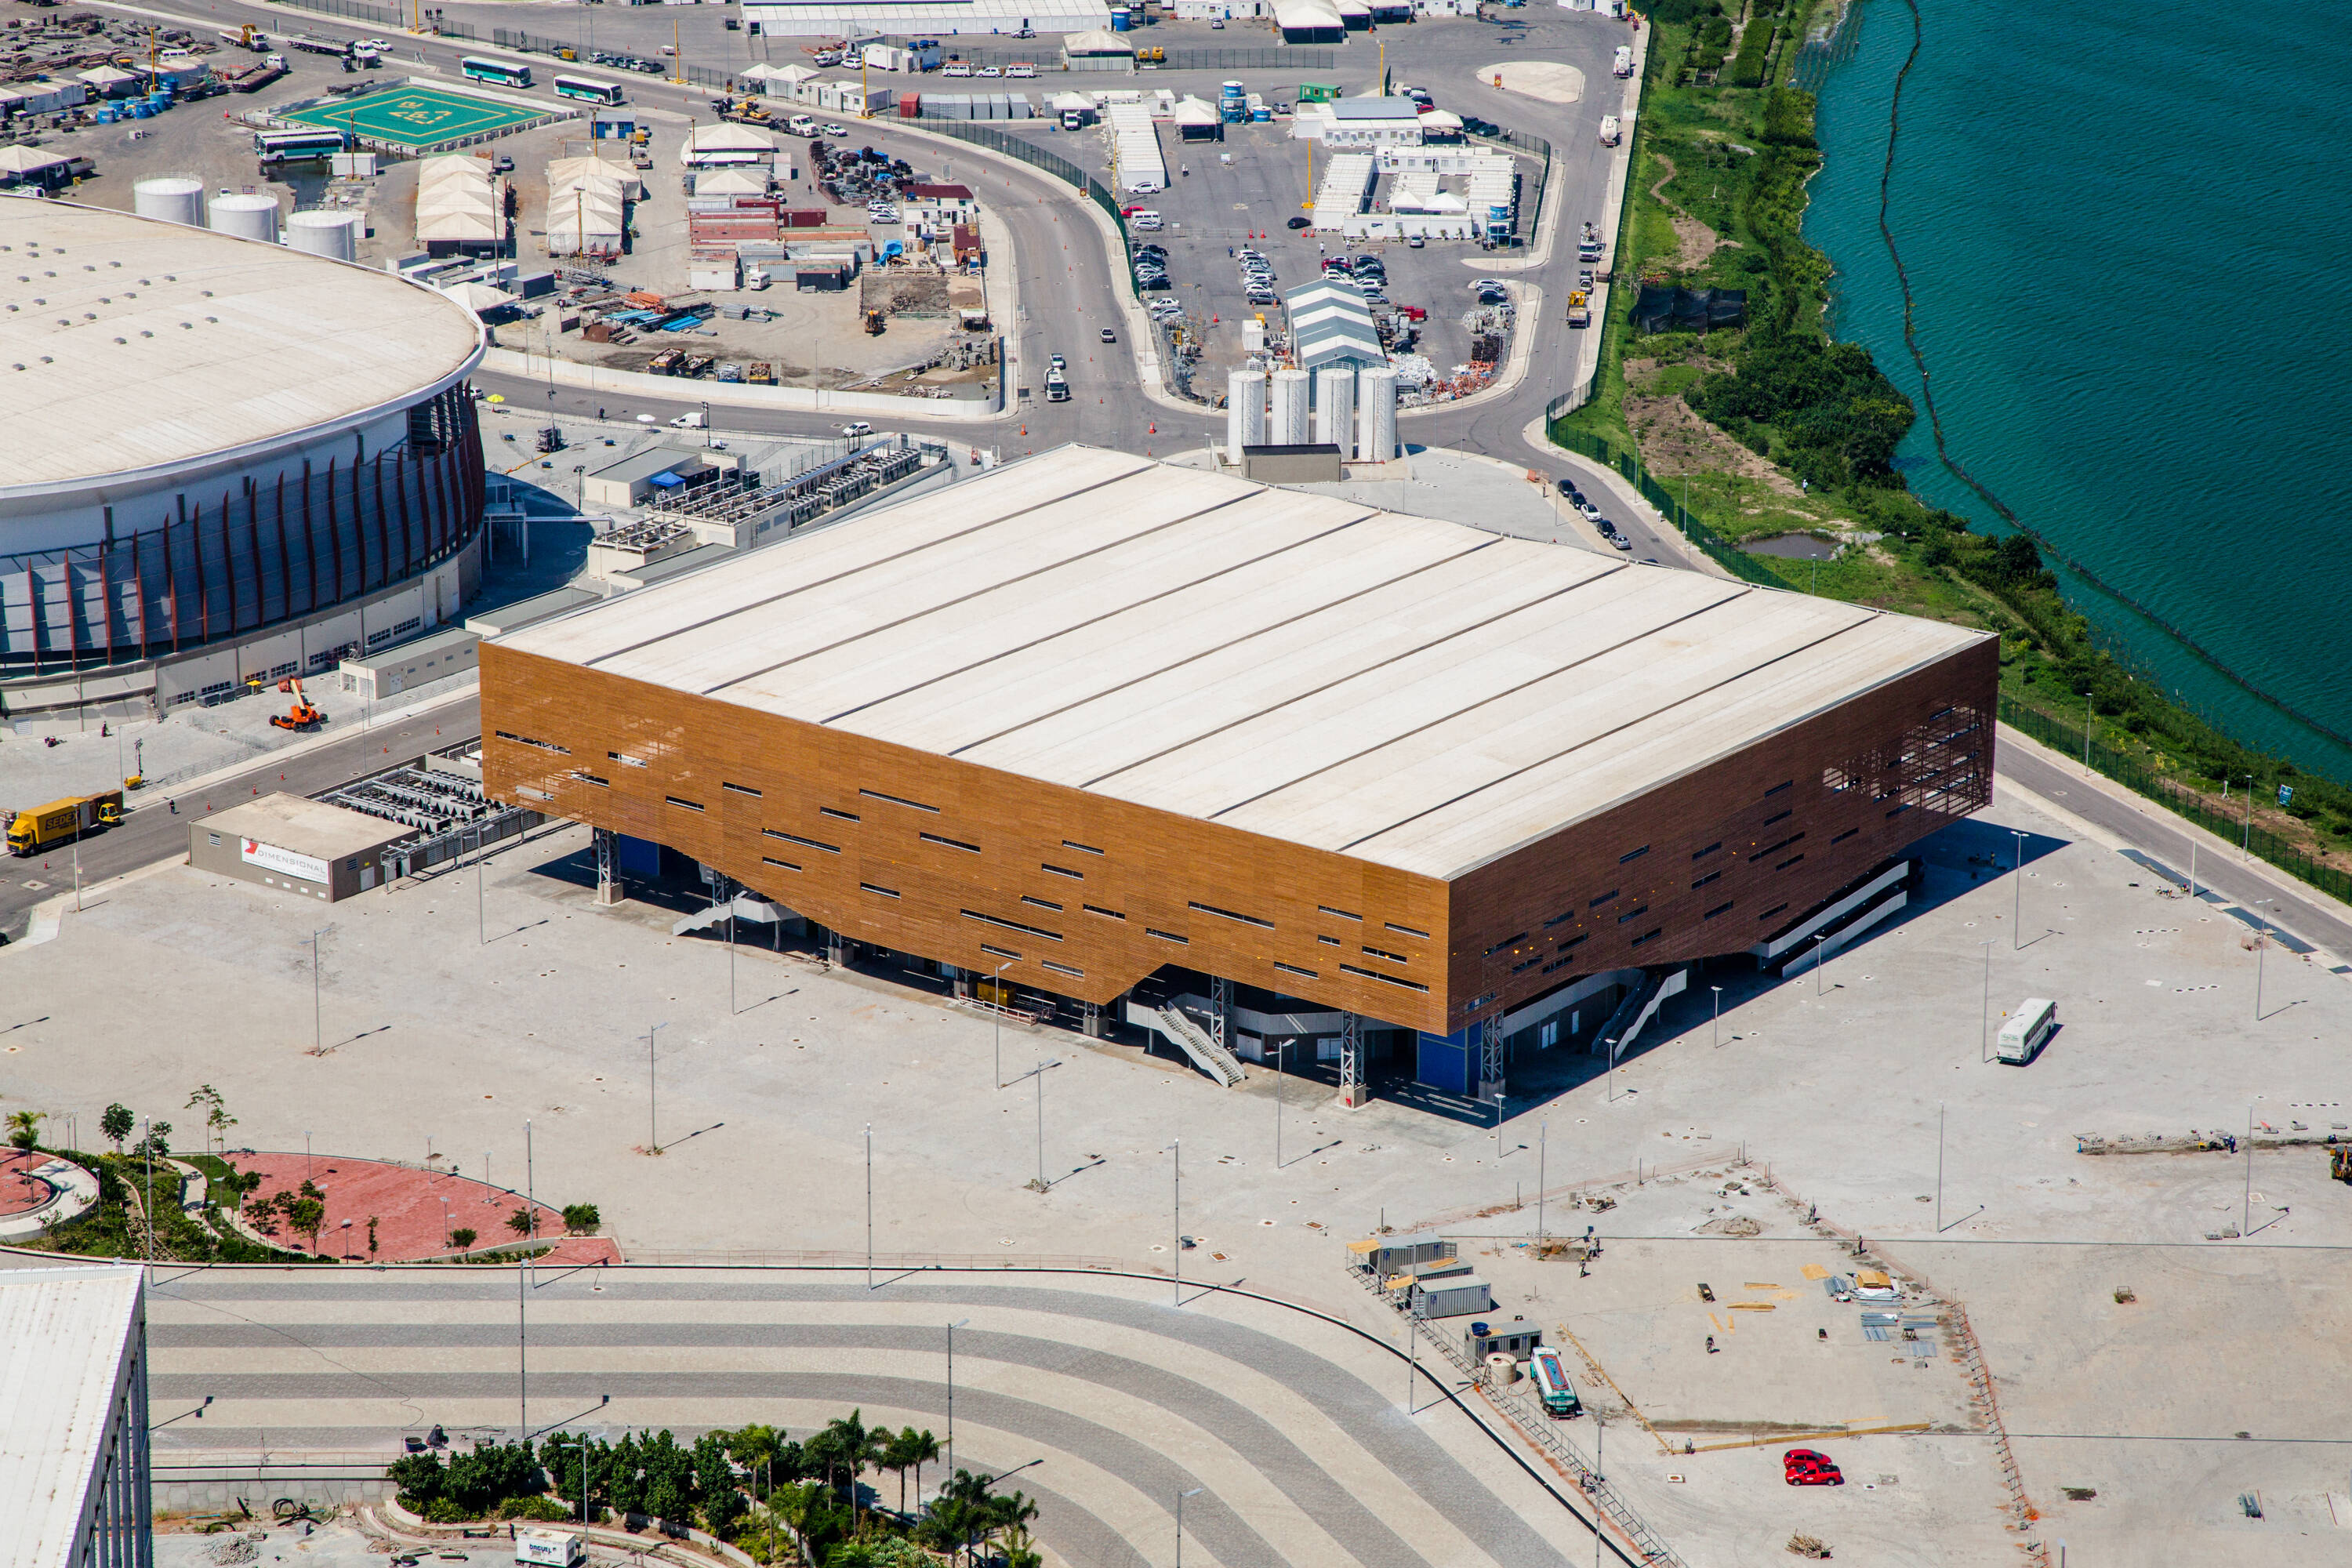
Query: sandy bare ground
[(1675, 440), (1695, 240)]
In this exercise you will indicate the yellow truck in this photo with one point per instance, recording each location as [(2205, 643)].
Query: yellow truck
[(1580, 313), (30, 832)]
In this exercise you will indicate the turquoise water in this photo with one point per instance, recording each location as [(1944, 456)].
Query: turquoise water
[(2128, 237)]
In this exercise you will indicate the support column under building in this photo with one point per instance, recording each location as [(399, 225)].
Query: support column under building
[(1490, 1058), (1353, 1092), (1221, 1010), (608, 881), (1090, 1019)]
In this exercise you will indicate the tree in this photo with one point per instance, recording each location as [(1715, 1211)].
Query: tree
[(519, 1222), (1019, 1549), (306, 1215), (909, 1450), (157, 1145), (24, 1128), (217, 1121), (117, 1123), (370, 1235), (461, 1238), (581, 1219), (714, 1473)]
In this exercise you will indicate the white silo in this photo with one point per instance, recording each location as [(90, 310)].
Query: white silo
[(1335, 409), (1287, 427), (1245, 412), (1376, 439), (246, 216), (333, 235), (173, 198)]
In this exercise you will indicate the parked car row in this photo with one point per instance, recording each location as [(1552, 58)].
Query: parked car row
[(1257, 276), (1369, 273), (1592, 514), (623, 62), (1151, 267)]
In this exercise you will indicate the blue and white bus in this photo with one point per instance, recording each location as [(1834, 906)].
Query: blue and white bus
[(496, 72), (1560, 1400), (587, 89), (280, 146)]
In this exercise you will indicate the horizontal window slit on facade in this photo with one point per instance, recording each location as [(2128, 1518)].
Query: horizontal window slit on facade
[(1846, 835), (1229, 914), (1636, 910), (1782, 816), (998, 951), (1791, 860), (739, 789), (1064, 969), (772, 861), (1168, 936), (1328, 941), (879, 890), (1775, 910), (1719, 909), (1081, 848), (1498, 947), (1391, 957), (1603, 898), (949, 843), (625, 761), (1011, 925), (1384, 979), (1775, 848), (796, 838), (1098, 909), (1646, 936), (592, 778), (1632, 855), (839, 813), (1338, 914), (1032, 899), (1702, 881), (684, 805), (1703, 854), (1062, 871), (527, 741), (1404, 930), (898, 800), (1777, 788), (1293, 969)]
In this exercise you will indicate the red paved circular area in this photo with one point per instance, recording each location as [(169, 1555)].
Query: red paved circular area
[(414, 1211), (20, 1191)]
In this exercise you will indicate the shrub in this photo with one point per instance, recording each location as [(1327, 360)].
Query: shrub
[(1755, 49), (581, 1219)]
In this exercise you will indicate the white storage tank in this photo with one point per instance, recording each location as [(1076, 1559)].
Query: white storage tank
[(1335, 409), (1287, 426), (333, 235), (173, 198), (1376, 438), (246, 216), (1245, 412)]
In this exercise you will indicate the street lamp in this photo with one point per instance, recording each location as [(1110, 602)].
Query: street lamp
[(1038, 1072), (958, 1323), (1718, 1015), (1279, 1049), (869, 1207), (1176, 1148), (2262, 945), (653, 1135), (1196, 1492), (2017, 892), (1984, 1014), (1819, 938), (198, 1412), (997, 1007)]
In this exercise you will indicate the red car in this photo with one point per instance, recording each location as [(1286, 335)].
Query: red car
[(1796, 1457), (1823, 1474)]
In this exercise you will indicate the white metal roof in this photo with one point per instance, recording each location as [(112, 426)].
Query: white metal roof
[(145, 344), (1413, 692), (63, 1335)]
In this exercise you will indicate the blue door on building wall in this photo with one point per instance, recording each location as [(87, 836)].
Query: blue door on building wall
[(1449, 1062)]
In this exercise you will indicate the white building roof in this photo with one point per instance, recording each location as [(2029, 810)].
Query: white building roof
[(63, 1335), (921, 18), (227, 342), (1402, 110), (1415, 693)]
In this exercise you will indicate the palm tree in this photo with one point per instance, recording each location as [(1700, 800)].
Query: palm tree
[(24, 1128), (912, 1450)]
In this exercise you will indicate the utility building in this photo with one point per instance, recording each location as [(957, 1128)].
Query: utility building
[(1105, 724)]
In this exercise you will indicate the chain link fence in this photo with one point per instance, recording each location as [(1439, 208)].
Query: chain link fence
[(375, 15), (2136, 776), (1697, 531), (1051, 162)]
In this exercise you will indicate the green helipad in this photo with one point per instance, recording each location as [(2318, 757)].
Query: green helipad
[(418, 118)]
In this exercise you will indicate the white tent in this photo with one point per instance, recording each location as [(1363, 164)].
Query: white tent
[(1193, 111), (600, 173), (1100, 42), (764, 76), (480, 297), (731, 183), (25, 161), (454, 201), (1062, 102), (709, 146), (106, 80)]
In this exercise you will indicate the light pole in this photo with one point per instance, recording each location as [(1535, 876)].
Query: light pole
[(2261, 946), (1984, 1013), (1819, 938), (481, 927), (1718, 1015), (996, 1005), (1610, 1045), (1180, 1522), (2245, 1215), (1176, 1148), (1543, 1136), (2017, 892), (653, 1128), (869, 1206), (2086, 732), (1038, 1072), (958, 1323), (318, 1028), (1278, 1049), (1939, 1168)]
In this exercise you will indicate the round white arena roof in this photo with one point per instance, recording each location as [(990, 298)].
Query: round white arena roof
[(130, 346)]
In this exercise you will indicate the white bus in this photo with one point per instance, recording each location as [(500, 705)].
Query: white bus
[(495, 71), (2035, 1020), (1550, 1377), (587, 89), (277, 146)]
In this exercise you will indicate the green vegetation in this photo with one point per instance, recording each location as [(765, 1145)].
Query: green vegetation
[(113, 1230), (1688, 418)]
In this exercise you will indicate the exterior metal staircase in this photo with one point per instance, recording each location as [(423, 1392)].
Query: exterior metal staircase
[(1207, 1055)]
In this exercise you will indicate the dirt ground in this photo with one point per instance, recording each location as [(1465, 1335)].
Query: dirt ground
[(1696, 241), (1676, 440)]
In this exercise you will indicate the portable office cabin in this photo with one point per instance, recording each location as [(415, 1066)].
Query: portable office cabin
[(1452, 1297)]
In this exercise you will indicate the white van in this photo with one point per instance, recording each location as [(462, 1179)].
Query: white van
[(2035, 1020), (1144, 218), (956, 68)]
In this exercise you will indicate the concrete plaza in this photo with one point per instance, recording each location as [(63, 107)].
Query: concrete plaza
[(1834, 1087)]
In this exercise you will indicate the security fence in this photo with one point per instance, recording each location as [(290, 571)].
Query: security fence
[(2136, 775), (1693, 528), (1051, 162)]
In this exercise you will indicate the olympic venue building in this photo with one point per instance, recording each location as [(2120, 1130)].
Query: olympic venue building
[(1145, 740), (227, 462)]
